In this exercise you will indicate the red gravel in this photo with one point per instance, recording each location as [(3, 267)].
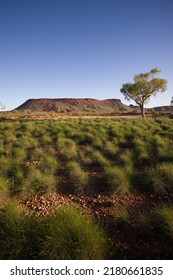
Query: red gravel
[(124, 239)]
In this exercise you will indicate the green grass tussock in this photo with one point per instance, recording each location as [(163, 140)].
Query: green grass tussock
[(138, 152), (37, 182), (164, 214), (117, 180), (160, 178), (78, 178), (66, 234), (17, 233), (69, 234)]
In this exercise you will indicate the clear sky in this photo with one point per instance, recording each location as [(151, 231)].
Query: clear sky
[(82, 48)]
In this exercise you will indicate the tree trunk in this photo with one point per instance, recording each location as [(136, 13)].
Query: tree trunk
[(142, 110)]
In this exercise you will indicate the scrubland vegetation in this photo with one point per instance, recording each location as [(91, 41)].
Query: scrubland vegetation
[(85, 157)]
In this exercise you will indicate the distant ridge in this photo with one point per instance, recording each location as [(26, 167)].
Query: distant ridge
[(74, 105)]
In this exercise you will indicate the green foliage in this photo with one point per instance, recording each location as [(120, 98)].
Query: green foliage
[(171, 103), (144, 224), (67, 148), (117, 180), (66, 234), (79, 179), (69, 234), (142, 149), (162, 146), (126, 160), (36, 153), (134, 147), (4, 190), (19, 153), (122, 213), (49, 164), (164, 215), (37, 182), (17, 233), (98, 160), (110, 150), (160, 178), (144, 86)]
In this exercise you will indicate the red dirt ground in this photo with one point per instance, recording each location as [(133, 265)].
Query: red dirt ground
[(123, 236)]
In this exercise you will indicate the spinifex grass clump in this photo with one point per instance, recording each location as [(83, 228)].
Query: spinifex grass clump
[(17, 233), (66, 148), (164, 218), (19, 153), (134, 147), (126, 159), (36, 153), (117, 180), (4, 165), (83, 138), (98, 159), (144, 224), (37, 182), (66, 234), (5, 185), (110, 150), (93, 158), (69, 234), (78, 178), (160, 178), (121, 216), (142, 150), (163, 147), (46, 140), (14, 171), (49, 164)]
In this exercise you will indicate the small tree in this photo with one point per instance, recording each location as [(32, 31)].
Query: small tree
[(171, 102), (143, 87), (2, 107)]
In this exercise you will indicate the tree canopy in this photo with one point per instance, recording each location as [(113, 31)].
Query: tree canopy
[(172, 101), (143, 87), (2, 107)]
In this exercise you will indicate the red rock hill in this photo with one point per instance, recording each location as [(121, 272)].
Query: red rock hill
[(74, 105)]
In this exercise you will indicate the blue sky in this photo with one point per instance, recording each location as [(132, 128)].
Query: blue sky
[(82, 48)]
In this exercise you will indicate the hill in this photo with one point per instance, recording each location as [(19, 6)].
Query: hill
[(74, 105)]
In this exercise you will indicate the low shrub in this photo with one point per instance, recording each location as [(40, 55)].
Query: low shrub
[(82, 137), (117, 180), (19, 153), (164, 217), (46, 140), (144, 224), (4, 190), (17, 233), (121, 216), (49, 164), (66, 234), (126, 160), (38, 182), (98, 159), (36, 153), (16, 173), (78, 178), (67, 148), (142, 150), (110, 150), (69, 234), (160, 178)]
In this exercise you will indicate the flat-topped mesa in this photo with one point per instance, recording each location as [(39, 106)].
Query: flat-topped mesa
[(73, 105), (72, 100)]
